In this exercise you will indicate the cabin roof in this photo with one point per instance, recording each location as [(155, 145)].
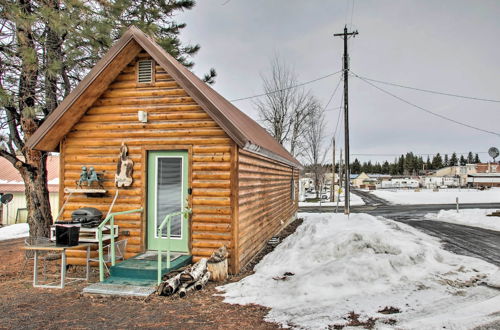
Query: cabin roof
[(243, 130)]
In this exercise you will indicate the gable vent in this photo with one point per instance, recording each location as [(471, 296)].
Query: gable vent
[(145, 71)]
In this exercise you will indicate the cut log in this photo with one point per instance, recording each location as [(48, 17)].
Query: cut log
[(195, 273), (185, 288), (171, 285), (218, 270), (200, 284)]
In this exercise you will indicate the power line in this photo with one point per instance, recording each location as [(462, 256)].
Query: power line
[(425, 110), (286, 88), (422, 154), (333, 94), (427, 90)]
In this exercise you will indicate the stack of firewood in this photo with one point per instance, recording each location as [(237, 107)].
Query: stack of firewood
[(183, 280)]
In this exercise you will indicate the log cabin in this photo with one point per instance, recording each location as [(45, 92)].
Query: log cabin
[(189, 147)]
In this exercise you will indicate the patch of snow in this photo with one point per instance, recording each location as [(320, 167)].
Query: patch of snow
[(363, 264), (468, 217), (494, 280), (14, 231), (443, 196), (355, 201)]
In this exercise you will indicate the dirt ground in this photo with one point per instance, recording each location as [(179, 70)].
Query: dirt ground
[(25, 307)]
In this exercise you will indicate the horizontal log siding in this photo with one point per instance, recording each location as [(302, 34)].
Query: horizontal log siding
[(173, 119), (264, 202)]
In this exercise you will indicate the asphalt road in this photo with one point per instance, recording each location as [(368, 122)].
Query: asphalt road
[(465, 240)]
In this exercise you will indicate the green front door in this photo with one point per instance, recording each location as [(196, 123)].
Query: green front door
[(167, 193)]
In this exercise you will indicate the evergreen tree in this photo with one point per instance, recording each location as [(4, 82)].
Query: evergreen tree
[(386, 169), (45, 49), (428, 164), (437, 162), (446, 161), (470, 158), (476, 159), (463, 161), (401, 165), (453, 160), (356, 167)]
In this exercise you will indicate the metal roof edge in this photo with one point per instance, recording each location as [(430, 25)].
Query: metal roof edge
[(256, 149)]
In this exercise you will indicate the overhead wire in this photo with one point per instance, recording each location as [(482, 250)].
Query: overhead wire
[(426, 90), (426, 110), (286, 88)]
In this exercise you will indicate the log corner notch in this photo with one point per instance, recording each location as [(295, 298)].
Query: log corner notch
[(217, 264)]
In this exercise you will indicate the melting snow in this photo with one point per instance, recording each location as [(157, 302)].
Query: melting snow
[(443, 196), (469, 217), (14, 231), (364, 264)]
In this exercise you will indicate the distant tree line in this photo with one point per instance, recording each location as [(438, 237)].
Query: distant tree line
[(409, 164)]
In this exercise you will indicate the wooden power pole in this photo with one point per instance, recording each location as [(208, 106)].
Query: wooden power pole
[(346, 35), (332, 188)]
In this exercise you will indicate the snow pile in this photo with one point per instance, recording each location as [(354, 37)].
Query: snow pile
[(469, 217), (14, 231), (333, 265), (443, 196)]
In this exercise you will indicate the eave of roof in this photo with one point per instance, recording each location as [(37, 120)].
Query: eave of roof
[(244, 131)]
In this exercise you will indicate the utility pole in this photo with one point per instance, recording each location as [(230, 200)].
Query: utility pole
[(346, 35), (340, 180), (332, 188)]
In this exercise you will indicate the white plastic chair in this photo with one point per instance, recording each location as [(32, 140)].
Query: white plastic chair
[(120, 248)]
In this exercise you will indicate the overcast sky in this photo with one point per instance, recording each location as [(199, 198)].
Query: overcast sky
[(450, 46)]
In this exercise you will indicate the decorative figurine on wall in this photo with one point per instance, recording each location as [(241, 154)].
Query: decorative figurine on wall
[(124, 168), (89, 177)]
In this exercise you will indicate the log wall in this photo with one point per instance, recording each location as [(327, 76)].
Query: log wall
[(174, 121), (265, 205)]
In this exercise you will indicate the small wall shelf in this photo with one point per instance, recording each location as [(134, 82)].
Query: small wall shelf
[(87, 191)]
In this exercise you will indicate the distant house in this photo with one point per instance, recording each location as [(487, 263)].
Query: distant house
[(12, 183), (479, 180), (401, 183)]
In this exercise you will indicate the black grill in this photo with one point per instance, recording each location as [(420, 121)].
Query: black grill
[(87, 216)]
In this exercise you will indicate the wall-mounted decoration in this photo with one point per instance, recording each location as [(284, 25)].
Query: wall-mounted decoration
[(124, 168), (88, 177)]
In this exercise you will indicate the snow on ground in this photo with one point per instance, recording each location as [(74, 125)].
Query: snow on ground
[(469, 217), (443, 196), (364, 264), (355, 200), (14, 231)]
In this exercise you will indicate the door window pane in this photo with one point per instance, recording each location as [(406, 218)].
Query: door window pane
[(169, 193)]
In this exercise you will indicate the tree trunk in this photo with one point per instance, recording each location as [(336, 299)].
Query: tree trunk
[(34, 174)]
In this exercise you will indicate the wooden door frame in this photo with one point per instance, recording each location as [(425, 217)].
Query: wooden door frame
[(168, 147)]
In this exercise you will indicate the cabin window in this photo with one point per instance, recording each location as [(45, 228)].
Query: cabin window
[(145, 72)]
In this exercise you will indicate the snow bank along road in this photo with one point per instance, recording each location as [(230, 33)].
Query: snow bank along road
[(334, 264)]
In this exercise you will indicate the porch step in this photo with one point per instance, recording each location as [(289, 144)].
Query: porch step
[(145, 266), (127, 288), (136, 276)]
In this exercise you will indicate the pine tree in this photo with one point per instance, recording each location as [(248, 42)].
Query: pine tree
[(446, 161), (428, 164), (470, 158), (476, 159), (45, 49), (463, 161), (453, 160), (386, 169), (356, 167), (437, 162)]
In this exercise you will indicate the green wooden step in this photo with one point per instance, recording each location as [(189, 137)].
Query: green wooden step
[(145, 267)]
